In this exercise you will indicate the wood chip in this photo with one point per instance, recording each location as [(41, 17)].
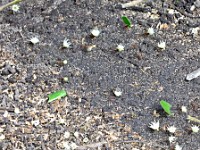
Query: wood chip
[(132, 3)]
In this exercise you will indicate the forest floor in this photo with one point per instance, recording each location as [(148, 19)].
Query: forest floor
[(91, 116)]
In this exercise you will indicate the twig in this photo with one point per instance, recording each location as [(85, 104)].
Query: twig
[(193, 119), (132, 3), (9, 4), (93, 145)]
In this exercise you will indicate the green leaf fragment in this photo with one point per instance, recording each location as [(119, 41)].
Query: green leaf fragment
[(166, 106), (56, 95), (126, 21)]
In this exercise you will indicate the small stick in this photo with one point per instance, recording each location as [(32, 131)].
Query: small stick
[(92, 145), (193, 75), (132, 3), (193, 119), (9, 4)]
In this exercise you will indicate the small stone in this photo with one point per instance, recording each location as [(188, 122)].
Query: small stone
[(85, 140), (65, 79), (73, 146), (193, 75), (2, 137), (197, 3), (12, 70), (66, 135), (76, 134), (5, 72)]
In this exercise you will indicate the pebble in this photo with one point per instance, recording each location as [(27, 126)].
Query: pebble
[(192, 8), (197, 3), (5, 72), (193, 75), (8, 70), (12, 70)]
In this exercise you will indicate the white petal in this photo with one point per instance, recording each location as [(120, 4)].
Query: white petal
[(34, 40), (95, 32), (120, 47), (195, 129)]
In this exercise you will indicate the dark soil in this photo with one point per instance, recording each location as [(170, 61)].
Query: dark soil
[(144, 73)]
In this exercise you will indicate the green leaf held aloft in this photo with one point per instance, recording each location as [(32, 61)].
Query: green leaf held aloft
[(166, 106), (127, 21), (56, 95)]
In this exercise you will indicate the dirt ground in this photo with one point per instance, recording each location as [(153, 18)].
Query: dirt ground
[(91, 116)]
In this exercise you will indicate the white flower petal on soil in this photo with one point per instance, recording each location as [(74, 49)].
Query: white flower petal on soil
[(150, 31), (172, 139), (65, 62), (195, 129), (95, 32), (76, 134), (34, 40), (66, 134), (178, 147), (2, 137), (183, 109), (66, 43), (162, 45), (66, 145), (117, 92), (73, 145), (17, 111), (171, 129), (120, 47), (15, 8), (61, 121), (154, 125)]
